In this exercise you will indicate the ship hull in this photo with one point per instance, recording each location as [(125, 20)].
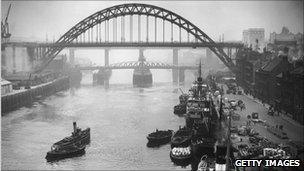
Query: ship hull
[(53, 156)]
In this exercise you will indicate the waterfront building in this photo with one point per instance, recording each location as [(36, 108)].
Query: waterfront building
[(265, 78), (6, 87), (254, 38), (247, 62), (290, 94)]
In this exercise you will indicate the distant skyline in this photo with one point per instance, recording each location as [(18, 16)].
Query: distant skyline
[(37, 20)]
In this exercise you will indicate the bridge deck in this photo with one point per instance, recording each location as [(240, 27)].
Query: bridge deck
[(130, 44)]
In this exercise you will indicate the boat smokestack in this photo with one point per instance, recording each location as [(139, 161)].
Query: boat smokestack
[(74, 127), (200, 69), (199, 79)]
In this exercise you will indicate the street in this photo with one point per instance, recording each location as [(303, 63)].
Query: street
[(294, 130)]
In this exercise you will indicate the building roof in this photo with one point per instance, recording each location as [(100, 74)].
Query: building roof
[(280, 75), (5, 82), (271, 65), (298, 71)]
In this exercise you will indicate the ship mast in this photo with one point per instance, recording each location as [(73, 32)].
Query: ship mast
[(200, 79)]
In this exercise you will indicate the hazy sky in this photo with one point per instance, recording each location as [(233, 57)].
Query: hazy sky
[(35, 19)]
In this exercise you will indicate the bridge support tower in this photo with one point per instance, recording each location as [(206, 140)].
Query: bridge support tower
[(107, 72), (175, 62), (72, 56)]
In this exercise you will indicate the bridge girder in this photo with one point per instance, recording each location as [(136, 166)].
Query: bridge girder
[(133, 9)]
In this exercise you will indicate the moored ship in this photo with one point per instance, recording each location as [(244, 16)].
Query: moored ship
[(201, 115)]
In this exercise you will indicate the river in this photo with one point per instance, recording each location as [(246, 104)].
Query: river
[(119, 117)]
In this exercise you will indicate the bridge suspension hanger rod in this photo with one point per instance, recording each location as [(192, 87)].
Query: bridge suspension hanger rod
[(131, 28), (163, 30), (180, 34), (188, 37), (105, 31), (171, 32), (100, 37), (155, 21), (123, 29), (114, 29), (88, 32), (92, 37), (83, 37), (139, 30), (96, 28), (147, 36)]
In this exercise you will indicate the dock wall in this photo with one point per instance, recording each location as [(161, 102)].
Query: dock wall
[(26, 97)]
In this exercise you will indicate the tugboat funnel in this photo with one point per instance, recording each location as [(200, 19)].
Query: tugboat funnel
[(199, 79), (74, 127)]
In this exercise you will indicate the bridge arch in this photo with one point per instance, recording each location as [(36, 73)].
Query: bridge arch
[(132, 9)]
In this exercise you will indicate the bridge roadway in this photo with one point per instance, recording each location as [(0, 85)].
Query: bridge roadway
[(134, 67), (134, 45)]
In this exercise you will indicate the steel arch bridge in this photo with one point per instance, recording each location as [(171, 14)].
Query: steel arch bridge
[(77, 32), (140, 65)]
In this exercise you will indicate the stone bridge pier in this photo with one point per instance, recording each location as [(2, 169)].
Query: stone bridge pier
[(142, 77), (181, 75), (103, 75)]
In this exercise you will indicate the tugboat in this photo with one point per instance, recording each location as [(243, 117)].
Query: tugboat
[(181, 108), (182, 138), (70, 146), (159, 137)]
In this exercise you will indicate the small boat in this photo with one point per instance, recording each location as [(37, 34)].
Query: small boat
[(182, 138), (160, 137), (202, 166), (69, 146), (206, 164), (180, 109)]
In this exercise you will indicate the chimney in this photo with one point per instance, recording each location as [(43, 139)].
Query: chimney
[(74, 127)]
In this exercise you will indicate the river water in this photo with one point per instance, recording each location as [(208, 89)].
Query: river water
[(119, 117)]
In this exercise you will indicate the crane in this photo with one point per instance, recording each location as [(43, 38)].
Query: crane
[(5, 35)]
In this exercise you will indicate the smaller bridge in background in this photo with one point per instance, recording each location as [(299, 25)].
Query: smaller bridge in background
[(140, 65)]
